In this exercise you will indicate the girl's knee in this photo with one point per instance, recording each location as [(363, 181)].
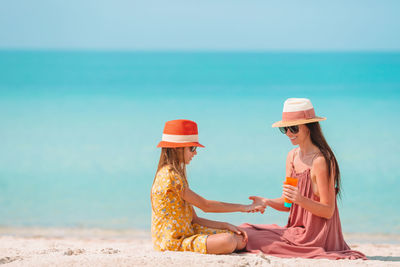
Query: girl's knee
[(221, 243), (229, 243), (240, 243)]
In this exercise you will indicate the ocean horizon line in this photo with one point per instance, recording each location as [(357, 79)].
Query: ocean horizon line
[(198, 51)]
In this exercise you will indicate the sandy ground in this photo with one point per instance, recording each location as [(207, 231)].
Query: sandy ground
[(83, 247)]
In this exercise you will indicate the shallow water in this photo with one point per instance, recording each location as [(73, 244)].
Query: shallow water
[(79, 129)]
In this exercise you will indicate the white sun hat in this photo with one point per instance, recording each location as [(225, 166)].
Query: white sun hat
[(297, 111)]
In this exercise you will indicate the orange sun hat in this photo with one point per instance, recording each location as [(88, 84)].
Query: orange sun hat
[(180, 133)]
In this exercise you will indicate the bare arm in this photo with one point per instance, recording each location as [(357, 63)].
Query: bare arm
[(326, 206), (208, 223), (276, 203), (218, 225), (216, 206)]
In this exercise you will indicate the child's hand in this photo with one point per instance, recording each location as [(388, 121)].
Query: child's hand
[(255, 208), (258, 203), (237, 231), (258, 200)]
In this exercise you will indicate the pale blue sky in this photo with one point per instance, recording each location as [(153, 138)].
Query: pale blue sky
[(310, 25)]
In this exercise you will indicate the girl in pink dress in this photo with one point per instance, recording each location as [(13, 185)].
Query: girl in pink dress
[(313, 229)]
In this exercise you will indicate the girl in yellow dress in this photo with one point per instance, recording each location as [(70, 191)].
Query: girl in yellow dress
[(175, 225)]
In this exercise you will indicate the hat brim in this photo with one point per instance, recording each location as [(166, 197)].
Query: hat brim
[(174, 145), (297, 122)]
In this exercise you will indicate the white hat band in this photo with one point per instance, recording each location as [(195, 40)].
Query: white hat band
[(174, 138)]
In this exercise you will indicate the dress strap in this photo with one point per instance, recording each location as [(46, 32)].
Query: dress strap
[(294, 155)]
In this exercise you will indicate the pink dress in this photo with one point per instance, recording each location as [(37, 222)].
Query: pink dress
[(306, 235)]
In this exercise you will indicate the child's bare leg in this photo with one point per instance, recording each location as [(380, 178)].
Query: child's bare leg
[(223, 243), (240, 242)]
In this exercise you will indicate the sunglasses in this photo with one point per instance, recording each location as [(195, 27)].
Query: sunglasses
[(193, 148), (294, 129)]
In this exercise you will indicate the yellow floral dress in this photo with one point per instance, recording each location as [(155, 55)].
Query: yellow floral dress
[(171, 226)]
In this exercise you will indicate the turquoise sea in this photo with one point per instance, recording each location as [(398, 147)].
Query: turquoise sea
[(78, 132)]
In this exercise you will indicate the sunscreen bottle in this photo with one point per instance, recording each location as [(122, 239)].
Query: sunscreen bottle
[(291, 181)]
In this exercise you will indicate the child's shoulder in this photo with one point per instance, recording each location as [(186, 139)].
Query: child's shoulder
[(167, 171), (167, 177)]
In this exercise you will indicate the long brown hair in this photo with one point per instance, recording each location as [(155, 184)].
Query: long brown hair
[(318, 139), (174, 158)]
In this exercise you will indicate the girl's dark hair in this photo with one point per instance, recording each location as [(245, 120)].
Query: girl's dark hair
[(318, 139)]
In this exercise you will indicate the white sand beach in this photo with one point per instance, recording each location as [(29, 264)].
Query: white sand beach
[(94, 247)]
